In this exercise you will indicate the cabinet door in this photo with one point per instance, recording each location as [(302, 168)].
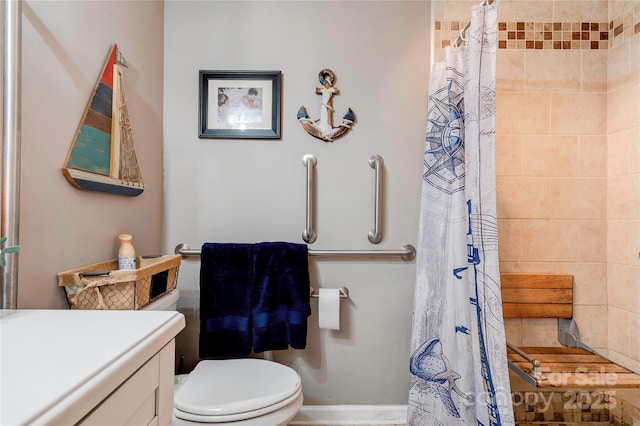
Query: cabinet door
[(145, 398)]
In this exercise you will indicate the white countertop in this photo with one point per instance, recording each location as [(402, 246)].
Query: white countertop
[(50, 360)]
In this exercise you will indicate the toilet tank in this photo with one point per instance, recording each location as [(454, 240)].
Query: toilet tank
[(167, 302)]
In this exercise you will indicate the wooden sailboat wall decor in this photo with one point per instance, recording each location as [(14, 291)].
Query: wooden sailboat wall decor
[(102, 156)]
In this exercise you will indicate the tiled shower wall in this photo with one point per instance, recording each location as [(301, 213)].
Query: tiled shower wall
[(623, 186), (568, 158)]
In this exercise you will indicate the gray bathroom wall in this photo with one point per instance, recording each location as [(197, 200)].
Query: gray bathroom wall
[(224, 190)]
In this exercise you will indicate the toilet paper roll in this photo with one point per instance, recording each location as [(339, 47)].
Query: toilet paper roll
[(329, 308)]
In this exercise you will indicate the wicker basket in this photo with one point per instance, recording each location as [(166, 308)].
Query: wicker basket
[(103, 286)]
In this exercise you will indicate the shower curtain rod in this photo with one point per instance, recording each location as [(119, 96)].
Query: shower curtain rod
[(11, 146), (408, 252), (461, 38)]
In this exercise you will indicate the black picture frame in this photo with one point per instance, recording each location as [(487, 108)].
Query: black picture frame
[(239, 104)]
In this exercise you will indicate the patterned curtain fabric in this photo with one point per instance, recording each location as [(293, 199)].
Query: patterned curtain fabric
[(458, 366)]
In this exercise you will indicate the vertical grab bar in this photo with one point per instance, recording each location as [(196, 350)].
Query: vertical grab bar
[(309, 235), (375, 235)]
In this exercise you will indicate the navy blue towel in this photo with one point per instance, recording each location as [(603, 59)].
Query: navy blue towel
[(226, 276), (280, 296), (253, 296)]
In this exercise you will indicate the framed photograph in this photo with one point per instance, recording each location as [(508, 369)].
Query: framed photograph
[(239, 104)]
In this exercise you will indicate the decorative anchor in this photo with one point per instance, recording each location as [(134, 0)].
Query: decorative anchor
[(322, 128)]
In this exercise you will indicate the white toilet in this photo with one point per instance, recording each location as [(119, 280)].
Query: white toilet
[(241, 392)]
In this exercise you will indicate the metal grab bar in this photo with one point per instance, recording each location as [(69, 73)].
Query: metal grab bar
[(375, 235), (408, 252), (309, 235), (344, 293), (536, 373)]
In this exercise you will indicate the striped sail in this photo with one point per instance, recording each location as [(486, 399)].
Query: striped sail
[(102, 156)]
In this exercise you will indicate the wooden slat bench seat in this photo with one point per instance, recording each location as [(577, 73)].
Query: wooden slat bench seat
[(574, 367), (551, 296)]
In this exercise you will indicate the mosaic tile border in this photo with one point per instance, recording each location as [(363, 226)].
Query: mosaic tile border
[(552, 35), (537, 35)]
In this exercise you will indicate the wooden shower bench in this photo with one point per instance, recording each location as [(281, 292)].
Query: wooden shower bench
[(572, 365)]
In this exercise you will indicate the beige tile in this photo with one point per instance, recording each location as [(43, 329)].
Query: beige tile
[(623, 110), (513, 330), (508, 266), (619, 249), (618, 154), (550, 155), (634, 60), (623, 201), (619, 7), (618, 66), (550, 240), (618, 336), (590, 284), (508, 155), (553, 70), (458, 10), (592, 323), (530, 266), (634, 150), (627, 292), (594, 71), (632, 301), (593, 241), (634, 336), (623, 291), (522, 198), (540, 332), (583, 198), (522, 113), (633, 228), (528, 10), (437, 11), (509, 240), (578, 114), (593, 156), (510, 70), (583, 11)]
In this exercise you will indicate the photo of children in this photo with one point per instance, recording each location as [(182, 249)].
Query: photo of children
[(251, 100), (239, 105)]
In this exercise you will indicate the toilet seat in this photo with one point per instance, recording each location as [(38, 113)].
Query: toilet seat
[(236, 389), (239, 416)]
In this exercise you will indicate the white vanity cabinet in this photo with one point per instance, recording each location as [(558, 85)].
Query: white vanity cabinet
[(64, 367)]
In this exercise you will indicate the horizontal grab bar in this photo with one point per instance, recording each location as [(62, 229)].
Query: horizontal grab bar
[(408, 252)]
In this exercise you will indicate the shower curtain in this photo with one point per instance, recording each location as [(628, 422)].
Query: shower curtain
[(458, 366)]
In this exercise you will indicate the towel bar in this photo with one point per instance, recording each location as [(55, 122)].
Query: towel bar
[(408, 252)]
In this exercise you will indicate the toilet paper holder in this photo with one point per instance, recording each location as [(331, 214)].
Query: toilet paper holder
[(344, 293)]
